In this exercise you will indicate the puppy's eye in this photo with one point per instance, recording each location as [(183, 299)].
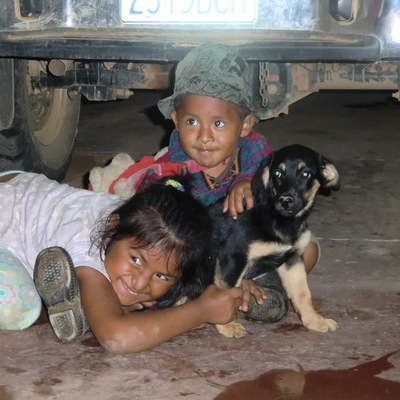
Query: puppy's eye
[(277, 173), (306, 174)]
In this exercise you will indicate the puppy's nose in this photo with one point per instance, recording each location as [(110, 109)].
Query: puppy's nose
[(286, 201)]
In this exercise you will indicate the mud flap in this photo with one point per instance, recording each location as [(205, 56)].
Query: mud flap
[(7, 92)]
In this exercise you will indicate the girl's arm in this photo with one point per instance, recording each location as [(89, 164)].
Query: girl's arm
[(121, 332)]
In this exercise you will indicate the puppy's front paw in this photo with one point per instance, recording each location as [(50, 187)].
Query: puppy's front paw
[(332, 324), (320, 324), (231, 329)]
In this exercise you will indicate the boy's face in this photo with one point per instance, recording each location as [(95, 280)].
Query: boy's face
[(210, 129)]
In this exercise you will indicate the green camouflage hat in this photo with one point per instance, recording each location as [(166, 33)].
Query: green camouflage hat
[(211, 70)]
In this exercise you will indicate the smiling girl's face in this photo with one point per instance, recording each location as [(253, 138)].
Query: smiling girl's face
[(139, 275)]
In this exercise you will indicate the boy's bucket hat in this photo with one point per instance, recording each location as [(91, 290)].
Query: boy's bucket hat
[(211, 70)]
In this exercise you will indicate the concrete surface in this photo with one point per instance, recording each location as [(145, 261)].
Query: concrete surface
[(357, 282)]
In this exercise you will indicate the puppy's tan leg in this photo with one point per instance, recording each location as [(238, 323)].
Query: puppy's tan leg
[(231, 329), (294, 280)]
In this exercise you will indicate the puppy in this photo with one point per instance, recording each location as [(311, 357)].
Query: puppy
[(274, 233)]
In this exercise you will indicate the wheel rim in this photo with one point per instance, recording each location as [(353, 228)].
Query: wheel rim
[(46, 112), (52, 116)]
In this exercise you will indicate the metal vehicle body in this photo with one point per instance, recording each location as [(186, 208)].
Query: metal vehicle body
[(52, 52)]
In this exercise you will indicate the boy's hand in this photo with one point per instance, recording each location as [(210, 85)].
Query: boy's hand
[(251, 288), (239, 198)]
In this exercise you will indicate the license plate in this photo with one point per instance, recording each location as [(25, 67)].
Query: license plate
[(215, 12)]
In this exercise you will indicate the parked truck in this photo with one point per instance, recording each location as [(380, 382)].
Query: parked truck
[(54, 52)]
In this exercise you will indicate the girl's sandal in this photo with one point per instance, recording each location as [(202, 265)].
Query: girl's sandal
[(56, 281)]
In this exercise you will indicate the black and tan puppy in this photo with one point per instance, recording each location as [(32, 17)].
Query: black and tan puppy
[(274, 233)]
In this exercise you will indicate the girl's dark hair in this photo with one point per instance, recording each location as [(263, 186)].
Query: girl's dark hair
[(175, 223)]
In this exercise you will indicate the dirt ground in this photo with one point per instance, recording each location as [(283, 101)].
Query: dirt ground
[(357, 282)]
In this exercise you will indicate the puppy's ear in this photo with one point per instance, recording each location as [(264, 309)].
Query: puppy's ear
[(260, 180), (330, 175)]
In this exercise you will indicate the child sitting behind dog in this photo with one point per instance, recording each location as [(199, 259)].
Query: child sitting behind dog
[(213, 113)]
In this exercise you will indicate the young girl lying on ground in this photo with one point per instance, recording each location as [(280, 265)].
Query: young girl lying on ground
[(97, 260)]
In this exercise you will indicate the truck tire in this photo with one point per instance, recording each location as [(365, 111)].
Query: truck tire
[(43, 131)]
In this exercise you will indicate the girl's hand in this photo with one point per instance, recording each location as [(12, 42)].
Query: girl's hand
[(220, 306), (251, 288), (138, 306), (239, 198)]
